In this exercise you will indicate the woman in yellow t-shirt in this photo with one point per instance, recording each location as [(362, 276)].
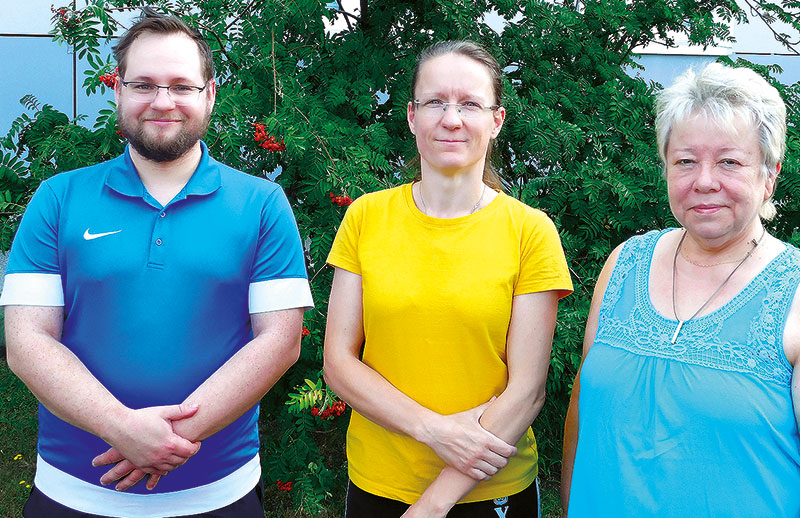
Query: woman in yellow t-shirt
[(442, 313)]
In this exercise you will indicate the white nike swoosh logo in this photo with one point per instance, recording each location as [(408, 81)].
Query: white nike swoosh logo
[(88, 236)]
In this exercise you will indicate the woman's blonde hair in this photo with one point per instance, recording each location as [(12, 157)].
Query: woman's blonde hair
[(473, 51)]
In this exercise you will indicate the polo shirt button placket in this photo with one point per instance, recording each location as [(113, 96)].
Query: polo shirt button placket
[(157, 248)]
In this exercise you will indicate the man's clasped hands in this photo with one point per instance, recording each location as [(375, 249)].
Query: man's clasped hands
[(147, 442)]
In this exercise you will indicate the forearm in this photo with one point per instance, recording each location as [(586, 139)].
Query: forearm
[(227, 394), (244, 379), (530, 335), (570, 444), (58, 379), (372, 396), (508, 417), (364, 389), (796, 394), (511, 414), (458, 439), (444, 492)]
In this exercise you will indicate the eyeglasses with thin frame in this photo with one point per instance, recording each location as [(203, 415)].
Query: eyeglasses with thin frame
[(436, 108), (181, 95)]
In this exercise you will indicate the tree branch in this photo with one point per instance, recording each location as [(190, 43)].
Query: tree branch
[(364, 13), (244, 10), (274, 75), (781, 38), (346, 14), (207, 29)]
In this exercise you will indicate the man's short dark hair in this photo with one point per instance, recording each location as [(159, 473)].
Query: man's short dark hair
[(156, 23)]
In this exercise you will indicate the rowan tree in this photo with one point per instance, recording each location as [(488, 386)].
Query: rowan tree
[(323, 114)]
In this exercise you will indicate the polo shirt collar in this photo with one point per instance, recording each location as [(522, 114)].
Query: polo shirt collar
[(124, 179)]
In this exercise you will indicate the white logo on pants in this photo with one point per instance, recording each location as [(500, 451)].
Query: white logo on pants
[(501, 510)]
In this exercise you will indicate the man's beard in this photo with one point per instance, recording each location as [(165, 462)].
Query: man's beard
[(162, 150)]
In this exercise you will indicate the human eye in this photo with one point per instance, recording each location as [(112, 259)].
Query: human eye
[(181, 89), (143, 87), (471, 106), (432, 103), (684, 161), (729, 162)]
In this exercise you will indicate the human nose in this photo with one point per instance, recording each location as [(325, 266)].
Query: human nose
[(162, 99), (452, 115), (706, 179)]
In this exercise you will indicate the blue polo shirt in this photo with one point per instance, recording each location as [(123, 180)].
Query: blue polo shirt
[(156, 298)]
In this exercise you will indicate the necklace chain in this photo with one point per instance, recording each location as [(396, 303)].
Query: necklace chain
[(425, 209), (703, 265), (674, 269)]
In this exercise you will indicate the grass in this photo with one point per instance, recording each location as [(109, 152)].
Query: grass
[(17, 442), (551, 499)]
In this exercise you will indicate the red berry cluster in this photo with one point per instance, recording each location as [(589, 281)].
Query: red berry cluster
[(305, 332), (332, 411), (342, 201), (65, 16), (284, 486), (61, 12), (121, 134), (110, 79), (265, 140)]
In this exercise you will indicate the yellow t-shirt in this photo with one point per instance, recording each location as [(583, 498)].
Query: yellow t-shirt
[(437, 299)]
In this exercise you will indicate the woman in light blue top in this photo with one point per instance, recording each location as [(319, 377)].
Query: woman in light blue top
[(683, 406)]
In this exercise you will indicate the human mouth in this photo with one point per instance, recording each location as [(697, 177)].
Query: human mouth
[(163, 122), (706, 208)]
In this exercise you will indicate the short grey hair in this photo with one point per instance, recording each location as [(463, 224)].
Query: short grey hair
[(724, 95)]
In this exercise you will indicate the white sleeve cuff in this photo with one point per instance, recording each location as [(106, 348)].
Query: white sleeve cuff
[(32, 289), (277, 294)]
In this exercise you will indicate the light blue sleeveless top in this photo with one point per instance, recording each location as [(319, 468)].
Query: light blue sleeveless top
[(700, 428)]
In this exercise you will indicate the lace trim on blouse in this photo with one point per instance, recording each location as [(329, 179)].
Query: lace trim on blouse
[(645, 332)]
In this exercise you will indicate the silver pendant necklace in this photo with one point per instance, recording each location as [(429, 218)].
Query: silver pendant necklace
[(674, 269), (425, 209)]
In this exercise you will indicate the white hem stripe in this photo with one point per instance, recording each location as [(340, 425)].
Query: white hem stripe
[(88, 498), (32, 289), (277, 294)]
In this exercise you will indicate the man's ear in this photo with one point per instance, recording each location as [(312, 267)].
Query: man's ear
[(212, 93), (117, 89)]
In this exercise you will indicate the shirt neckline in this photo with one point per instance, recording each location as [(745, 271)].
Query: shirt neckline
[(124, 179), (446, 222), (722, 311)]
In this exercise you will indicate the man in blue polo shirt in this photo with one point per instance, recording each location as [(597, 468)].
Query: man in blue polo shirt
[(151, 302)]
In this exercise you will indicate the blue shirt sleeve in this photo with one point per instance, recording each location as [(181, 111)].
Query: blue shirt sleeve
[(35, 247), (33, 275), (278, 279)]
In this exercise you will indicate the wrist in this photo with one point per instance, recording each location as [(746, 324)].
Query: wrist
[(116, 420), (187, 428), (426, 428), (434, 507)]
